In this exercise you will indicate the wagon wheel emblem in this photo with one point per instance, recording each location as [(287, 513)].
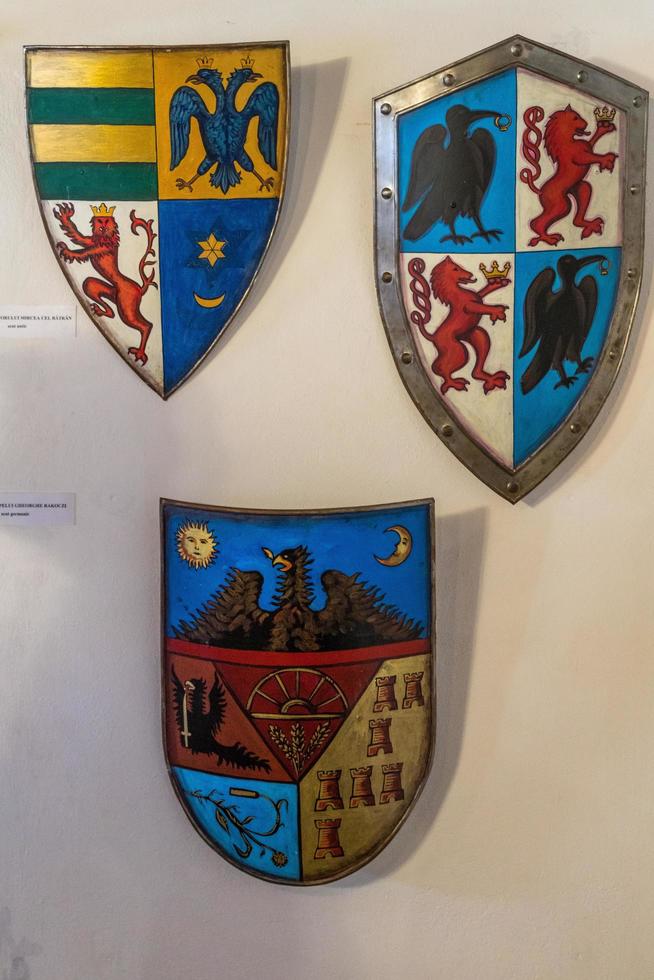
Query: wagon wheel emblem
[(297, 691), (307, 706)]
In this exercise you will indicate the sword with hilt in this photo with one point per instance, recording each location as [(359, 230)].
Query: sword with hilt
[(185, 733)]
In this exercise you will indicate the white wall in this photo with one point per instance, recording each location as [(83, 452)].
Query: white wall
[(530, 852)]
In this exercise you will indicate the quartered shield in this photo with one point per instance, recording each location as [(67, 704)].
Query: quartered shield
[(160, 173), (298, 680), (509, 250)]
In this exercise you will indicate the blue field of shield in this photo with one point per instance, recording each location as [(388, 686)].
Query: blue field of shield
[(497, 94), (348, 541), (253, 822), (540, 412), (209, 252)]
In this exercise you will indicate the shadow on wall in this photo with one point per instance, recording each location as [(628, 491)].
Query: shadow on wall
[(460, 540), (316, 95), (13, 955), (601, 426)]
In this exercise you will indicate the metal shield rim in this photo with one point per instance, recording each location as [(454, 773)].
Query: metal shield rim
[(510, 483), (97, 322), (430, 503)]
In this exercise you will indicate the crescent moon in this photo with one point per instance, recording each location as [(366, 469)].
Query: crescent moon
[(402, 549), (208, 302)]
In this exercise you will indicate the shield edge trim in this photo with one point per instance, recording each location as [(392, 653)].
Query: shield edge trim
[(165, 502), (510, 483), (229, 324)]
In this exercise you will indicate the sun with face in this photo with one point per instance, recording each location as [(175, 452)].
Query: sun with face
[(196, 544)]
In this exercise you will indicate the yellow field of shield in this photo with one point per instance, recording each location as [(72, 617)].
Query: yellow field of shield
[(171, 69)]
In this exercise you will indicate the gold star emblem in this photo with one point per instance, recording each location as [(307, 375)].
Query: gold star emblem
[(212, 250)]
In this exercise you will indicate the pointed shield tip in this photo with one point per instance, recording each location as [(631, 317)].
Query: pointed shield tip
[(144, 210), (509, 298)]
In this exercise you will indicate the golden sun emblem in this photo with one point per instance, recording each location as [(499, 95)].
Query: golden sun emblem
[(196, 544)]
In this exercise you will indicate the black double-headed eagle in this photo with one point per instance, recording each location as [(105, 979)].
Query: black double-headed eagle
[(355, 614)]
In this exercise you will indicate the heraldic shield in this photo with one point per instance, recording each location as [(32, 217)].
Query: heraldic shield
[(160, 173), (509, 250), (298, 680)]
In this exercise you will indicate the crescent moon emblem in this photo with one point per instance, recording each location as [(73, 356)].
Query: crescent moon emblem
[(208, 302), (402, 549)]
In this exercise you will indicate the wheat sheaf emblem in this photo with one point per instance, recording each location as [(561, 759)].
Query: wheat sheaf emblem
[(296, 749)]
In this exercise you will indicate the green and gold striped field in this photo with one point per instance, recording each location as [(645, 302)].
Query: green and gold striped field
[(91, 118)]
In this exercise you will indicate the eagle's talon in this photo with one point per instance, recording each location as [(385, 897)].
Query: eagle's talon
[(492, 233), (457, 239), (181, 184), (566, 382), (584, 366)]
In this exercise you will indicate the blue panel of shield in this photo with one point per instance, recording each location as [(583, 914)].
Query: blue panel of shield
[(510, 213)]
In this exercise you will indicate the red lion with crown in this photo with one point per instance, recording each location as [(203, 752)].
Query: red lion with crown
[(572, 157), (461, 326), (100, 248)]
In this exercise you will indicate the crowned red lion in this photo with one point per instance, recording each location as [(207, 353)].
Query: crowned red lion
[(572, 157), (461, 327), (100, 248)]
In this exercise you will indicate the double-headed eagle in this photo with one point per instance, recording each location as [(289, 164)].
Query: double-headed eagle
[(224, 131)]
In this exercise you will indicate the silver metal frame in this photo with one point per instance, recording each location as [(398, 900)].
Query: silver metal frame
[(164, 503), (97, 321), (510, 483)]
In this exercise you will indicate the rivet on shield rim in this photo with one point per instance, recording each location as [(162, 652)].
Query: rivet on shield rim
[(387, 277), (495, 393), (406, 357), (385, 108), (637, 102), (386, 193)]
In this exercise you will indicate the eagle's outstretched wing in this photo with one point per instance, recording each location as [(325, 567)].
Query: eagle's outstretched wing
[(232, 616), (185, 104), (537, 300), (217, 703), (264, 103), (425, 161), (357, 614), (178, 697)]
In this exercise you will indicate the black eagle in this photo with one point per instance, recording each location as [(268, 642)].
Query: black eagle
[(203, 725), (559, 322), (355, 614), (451, 181)]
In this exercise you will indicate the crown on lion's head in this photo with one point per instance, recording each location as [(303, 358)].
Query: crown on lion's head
[(103, 211)]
